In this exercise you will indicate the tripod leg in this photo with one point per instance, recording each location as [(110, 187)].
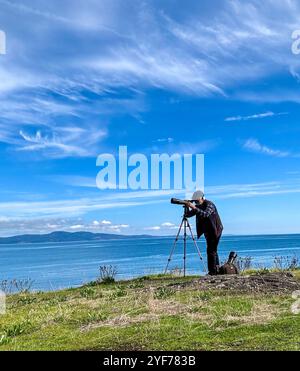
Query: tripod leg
[(174, 245), (196, 245), (184, 247)]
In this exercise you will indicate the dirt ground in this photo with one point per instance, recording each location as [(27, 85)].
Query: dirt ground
[(281, 282)]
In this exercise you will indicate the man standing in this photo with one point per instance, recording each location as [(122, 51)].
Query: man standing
[(208, 222)]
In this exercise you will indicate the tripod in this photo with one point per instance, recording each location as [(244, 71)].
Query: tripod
[(186, 225)]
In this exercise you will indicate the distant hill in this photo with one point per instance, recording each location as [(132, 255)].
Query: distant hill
[(64, 237)]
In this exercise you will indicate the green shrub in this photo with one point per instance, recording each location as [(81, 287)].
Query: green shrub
[(16, 329), (118, 292), (107, 274), (87, 292), (163, 293)]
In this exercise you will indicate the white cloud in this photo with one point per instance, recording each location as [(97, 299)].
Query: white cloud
[(147, 197), (80, 19), (164, 227), (65, 208), (12, 226), (269, 96), (253, 145), (253, 190), (155, 228), (198, 55), (255, 116), (164, 140), (45, 216), (75, 181), (30, 125), (40, 142), (167, 224), (105, 222), (77, 226)]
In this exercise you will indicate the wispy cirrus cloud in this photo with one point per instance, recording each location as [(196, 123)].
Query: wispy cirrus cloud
[(69, 214), (67, 207), (271, 95), (255, 116), (56, 128), (60, 148), (164, 140), (238, 190), (152, 49), (253, 145)]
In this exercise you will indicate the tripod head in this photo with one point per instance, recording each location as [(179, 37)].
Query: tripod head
[(185, 210)]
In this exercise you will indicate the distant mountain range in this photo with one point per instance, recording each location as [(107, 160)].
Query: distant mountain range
[(64, 237)]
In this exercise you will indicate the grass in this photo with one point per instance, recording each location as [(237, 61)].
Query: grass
[(150, 313)]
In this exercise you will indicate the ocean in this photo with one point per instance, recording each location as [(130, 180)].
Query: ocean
[(54, 266)]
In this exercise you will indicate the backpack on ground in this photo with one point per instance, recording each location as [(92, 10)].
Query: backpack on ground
[(229, 267)]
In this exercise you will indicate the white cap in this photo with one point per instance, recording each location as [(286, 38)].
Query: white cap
[(197, 195)]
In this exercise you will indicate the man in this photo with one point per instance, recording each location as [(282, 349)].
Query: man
[(208, 222)]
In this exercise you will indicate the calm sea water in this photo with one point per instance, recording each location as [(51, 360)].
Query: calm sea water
[(59, 265)]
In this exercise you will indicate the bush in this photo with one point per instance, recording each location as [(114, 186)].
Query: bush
[(21, 286), (177, 272), (107, 274), (286, 263), (244, 264)]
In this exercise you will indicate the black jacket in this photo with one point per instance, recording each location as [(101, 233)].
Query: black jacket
[(208, 221)]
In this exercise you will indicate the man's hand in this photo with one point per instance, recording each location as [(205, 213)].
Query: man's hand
[(191, 205)]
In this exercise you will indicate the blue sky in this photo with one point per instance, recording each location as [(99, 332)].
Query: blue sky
[(81, 78)]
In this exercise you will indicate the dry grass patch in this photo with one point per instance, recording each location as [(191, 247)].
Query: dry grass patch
[(206, 307)]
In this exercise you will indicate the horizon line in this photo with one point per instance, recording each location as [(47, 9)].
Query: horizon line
[(148, 235)]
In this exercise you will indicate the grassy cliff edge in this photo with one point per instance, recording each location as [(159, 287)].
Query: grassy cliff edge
[(151, 313)]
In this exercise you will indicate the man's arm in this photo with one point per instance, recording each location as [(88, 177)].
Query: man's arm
[(204, 213), (191, 213)]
